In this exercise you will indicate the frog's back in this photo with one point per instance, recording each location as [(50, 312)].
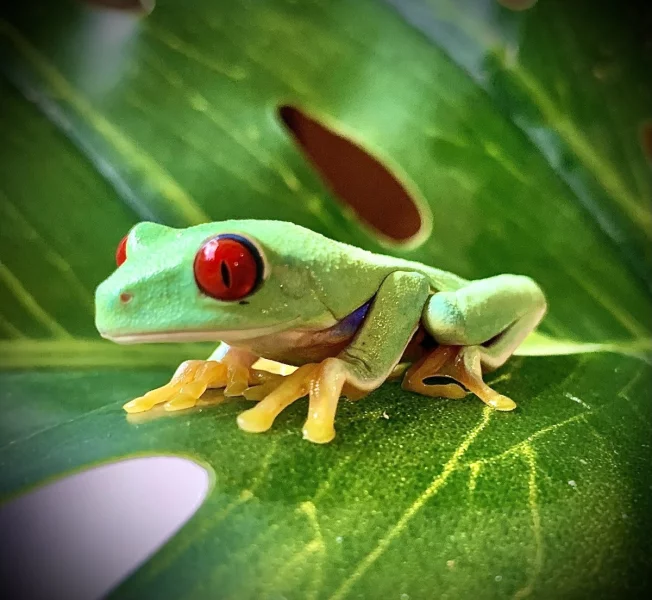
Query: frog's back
[(384, 264), (341, 257), (342, 276), (439, 280)]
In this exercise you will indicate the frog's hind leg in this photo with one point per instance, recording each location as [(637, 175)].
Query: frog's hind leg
[(479, 327), (430, 377), (459, 371)]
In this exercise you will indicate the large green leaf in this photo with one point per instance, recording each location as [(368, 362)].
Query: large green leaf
[(524, 155), (413, 496)]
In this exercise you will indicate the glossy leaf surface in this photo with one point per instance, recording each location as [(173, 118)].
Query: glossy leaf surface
[(522, 154)]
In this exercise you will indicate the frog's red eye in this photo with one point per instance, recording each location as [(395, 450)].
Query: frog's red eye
[(228, 267), (121, 252)]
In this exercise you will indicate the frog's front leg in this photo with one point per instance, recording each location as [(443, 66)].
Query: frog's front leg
[(363, 366), (479, 327), (227, 367)]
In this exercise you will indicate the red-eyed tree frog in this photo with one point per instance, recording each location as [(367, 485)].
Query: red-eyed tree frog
[(344, 316)]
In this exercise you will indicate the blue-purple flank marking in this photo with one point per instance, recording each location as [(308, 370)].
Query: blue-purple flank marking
[(350, 324)]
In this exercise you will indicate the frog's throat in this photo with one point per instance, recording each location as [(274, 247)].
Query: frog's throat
[(199, 335)]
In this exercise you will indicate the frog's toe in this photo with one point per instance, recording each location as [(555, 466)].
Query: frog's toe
[(500, 402), (187, 397), (259, 392), (255, 421), (326, 387), (323, 383), (151, 399), (291, 388), (180, 402), (138, 405), (237, 380), (318, 432)]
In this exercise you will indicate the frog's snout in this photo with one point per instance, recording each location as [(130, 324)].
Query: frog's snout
[(113, 306), (110, 299)]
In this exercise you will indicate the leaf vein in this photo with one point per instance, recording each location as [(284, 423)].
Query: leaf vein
[(518, 448), (176, 44), (431, 491), (48, 428), (203, 527), (530, 456), (30, 304), (203, 106), (158, 176), (48, 253)]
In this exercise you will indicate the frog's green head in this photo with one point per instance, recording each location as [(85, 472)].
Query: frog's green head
[(228, 281)]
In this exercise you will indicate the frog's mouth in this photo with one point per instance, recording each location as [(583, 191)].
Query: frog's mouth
[(199, 335)]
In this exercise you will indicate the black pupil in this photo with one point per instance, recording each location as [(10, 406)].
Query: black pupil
[(226, 275)]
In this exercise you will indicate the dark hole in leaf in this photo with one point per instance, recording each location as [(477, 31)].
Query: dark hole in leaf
[(226, 275), (355, 177), (442, 380)]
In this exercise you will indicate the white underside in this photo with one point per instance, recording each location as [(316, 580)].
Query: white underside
[(232, 336), (281, 336)]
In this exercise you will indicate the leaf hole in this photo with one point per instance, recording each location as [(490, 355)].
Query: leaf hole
[(358, 179), (82, 535)]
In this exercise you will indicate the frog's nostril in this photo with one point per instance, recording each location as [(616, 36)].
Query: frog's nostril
[(126, 297)]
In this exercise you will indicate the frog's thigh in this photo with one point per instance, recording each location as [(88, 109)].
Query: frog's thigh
[(505, 307)]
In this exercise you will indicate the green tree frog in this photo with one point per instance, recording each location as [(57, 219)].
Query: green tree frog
[(344, 316)]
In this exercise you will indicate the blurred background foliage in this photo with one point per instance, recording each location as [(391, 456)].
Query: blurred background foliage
[(521, 133)]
